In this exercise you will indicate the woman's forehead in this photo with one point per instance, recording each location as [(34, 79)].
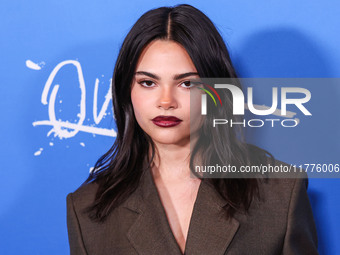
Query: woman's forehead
[(165, 57)]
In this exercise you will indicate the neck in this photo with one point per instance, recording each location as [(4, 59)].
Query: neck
[(171, 162)]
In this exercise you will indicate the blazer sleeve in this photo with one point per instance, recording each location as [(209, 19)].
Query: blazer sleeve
[(74, 232), (301, 236)]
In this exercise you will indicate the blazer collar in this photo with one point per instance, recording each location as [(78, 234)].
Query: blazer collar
[(209, 231)]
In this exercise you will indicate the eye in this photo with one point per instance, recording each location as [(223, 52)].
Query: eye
[(187, 84), (190, 84), (147, 83)]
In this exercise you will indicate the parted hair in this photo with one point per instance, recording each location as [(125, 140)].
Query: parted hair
[(118, 172)]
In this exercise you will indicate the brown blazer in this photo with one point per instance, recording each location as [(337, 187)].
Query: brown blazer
[(280, 223)]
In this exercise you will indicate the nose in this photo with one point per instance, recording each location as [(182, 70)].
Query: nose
[(167, 98)]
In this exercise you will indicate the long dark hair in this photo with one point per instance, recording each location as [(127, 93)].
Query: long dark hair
[(119, 171)]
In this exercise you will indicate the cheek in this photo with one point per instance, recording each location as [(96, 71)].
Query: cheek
[(137, 104), (196, 118), (195, 104), (141, 106)]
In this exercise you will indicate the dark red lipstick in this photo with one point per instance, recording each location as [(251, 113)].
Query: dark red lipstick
[(166, 121)]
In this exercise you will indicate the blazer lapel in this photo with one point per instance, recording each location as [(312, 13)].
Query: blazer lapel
[(209, 231), (151, 232)]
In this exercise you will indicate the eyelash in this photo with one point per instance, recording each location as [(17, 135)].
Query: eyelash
[(143, 81)]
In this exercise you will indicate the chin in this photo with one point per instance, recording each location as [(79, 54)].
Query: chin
[(171, 141)]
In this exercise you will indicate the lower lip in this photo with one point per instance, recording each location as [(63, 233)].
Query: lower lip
[(166, 123)]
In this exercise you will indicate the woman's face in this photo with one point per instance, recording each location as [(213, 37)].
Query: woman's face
[(160, 93)]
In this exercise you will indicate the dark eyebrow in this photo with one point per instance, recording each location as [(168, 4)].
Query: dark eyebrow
[(176, 77), (184, 75), (147, 74)]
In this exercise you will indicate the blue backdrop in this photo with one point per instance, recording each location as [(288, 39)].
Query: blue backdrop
[(57, 60)]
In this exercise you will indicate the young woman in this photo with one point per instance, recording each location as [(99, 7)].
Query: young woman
[(141, 197)]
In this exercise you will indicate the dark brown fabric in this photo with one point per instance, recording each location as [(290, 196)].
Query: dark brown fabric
[(280, 223)]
